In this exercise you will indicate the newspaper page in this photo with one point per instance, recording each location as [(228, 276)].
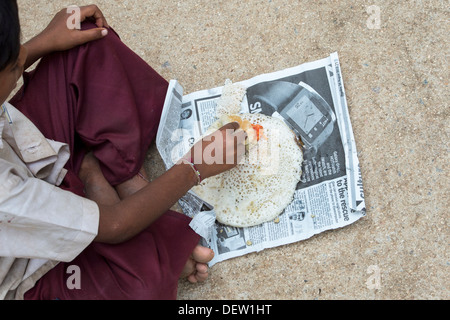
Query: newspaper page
[(310, 98)]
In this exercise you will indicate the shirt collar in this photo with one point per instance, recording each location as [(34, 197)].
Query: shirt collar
[(4, 113)]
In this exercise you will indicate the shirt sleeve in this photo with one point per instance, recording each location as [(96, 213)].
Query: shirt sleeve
[(39, 220)]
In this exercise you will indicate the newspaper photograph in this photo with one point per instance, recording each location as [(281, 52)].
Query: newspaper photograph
[(310, 99)]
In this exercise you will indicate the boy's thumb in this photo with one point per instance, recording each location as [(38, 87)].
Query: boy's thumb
[(94, 34)]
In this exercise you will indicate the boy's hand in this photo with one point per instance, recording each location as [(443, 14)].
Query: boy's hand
[(220, 151), (61, 34)]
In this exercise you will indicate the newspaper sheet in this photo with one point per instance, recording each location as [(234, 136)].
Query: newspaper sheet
[(311, 99)]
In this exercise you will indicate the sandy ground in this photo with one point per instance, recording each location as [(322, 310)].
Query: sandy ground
[(396, 78)]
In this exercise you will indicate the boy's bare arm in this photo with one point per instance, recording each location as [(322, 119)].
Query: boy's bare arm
[(133, 214), (60, 36), (127, 218)]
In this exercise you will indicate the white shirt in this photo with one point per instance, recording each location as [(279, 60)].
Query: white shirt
[(40, 224)]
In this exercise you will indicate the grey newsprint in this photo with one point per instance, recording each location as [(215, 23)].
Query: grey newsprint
[(311, 99)]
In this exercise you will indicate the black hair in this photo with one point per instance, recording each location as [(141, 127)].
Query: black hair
[(9, 33)]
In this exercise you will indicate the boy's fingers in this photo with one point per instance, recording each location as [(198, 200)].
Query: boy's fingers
[(231, 125), (94, 12)]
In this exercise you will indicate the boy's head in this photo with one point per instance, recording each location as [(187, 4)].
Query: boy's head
[(9, 33), (12, 54)]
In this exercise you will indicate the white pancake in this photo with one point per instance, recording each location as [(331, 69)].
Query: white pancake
[(231, 98), (263, 184)]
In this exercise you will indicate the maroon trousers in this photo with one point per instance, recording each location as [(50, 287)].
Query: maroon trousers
[(102, 97)]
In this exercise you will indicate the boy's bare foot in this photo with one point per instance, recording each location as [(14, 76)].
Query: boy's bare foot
[(196, 268), (96, 187), (133, 185)]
